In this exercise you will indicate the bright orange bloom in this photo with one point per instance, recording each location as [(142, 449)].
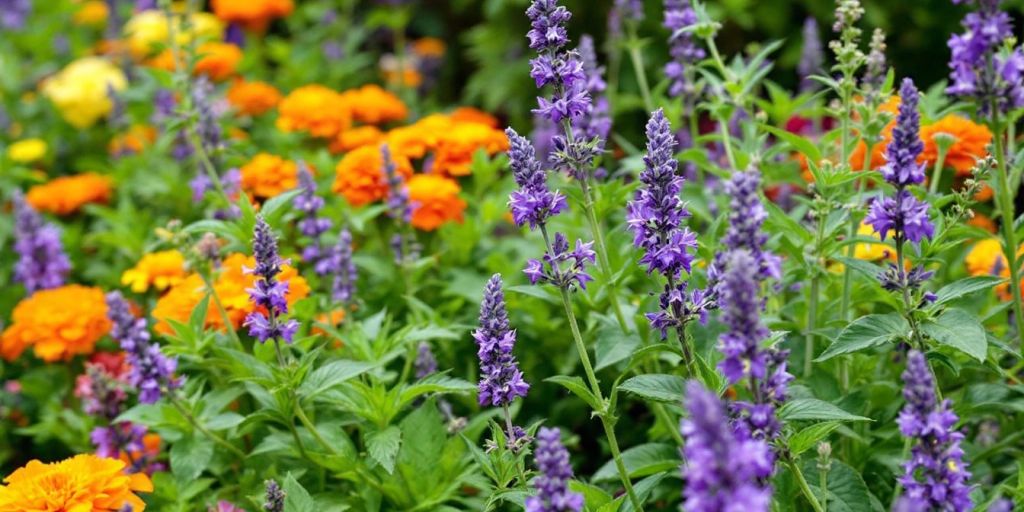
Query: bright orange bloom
[(456, 147), (357, 137), (83, 483), (410, 77), (314, 109), (150, 449), (58, 323), (359, 176), (473, 115), (231, 285), (416, 139), (971, 141), (268, 175), (132, 141), (982, 221), (430, 47), (67, 194), (159, 270), (253, 98), (91, 12), (252, 14), (435, 201), (372, 105), (217, 60), (984, 194)]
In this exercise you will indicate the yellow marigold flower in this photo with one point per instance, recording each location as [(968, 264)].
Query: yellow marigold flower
[(67, 194), (27, 150), (91, 12), (456, 147), (970, 143), (231, 285), (133, 141), (372, 105), (253, 98), (360, 176), (435, 201), (473, 115), (986, 258), (314, 109), (80, 91), (252, 14), (871, 252), (430, 47), (159, 270), (147, 31), (58, 323), (83, 483), (357, 137), (268, 175)]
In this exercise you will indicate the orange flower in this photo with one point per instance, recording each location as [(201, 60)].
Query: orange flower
[(150, 449), (132, 141), (252, 14), (65, 195), (231, 285), (91, 12), (436, 201), (372, 105), (456, 147), (160, 270), (416, 139), (253, 98), (410, 77), (217, 60), (83, 483), (314, 109), (971, 140), (472, 115), (359, 176), (985, 193), (982, 221), (430, 47), (58, 323), (268, 175), (357, 137), (986, 258)]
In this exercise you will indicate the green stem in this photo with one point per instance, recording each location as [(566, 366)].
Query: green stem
[(851, 251), (637, 58), (907, 302), (311, 427), (509, 429), (221, 310), (812, 300), (723, 129), (899, 485), (940, 162), (175, 401), (823, 484), (805, 488), (1006, 211)]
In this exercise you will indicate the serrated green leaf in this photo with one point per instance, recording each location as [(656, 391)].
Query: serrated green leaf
[(812, 409), (808, 437), (656, 387), (296, 497), (190, 456), (866, 332), (958, 329), (847, 491), (640, 461), (964, 287), (576, 386), (383, 446), (330, 375)]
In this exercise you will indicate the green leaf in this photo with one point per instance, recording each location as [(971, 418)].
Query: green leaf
[(594, 497), (656, 387), (799, 144), (436, 383), (808, 437), (709, 376), (866, 332), (189, 457), (383, 446), (847, 491), (224, 421), (533, 291), (811, 409), (576, 386), (431, 332), (296, 497), (612, 344), (963, 287), (271, 207), (330, 375), (960, 330), (640, 461), (643, 489)]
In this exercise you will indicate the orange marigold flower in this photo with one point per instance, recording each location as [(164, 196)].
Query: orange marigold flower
[(430, 47), (252, 14), (159, 270), (67, 194), (416, 139), (218, 60), (132, 141), (268, 175), (91, 12), (357, 137), (409, 77), (435, 201), (359, 176), (314, 109), (253, 98), (970, 142), (473, 115), (982, 221), (984, 194), (372, 105), (83, 483), (150, 450), (986, 258), (456, 147), (58, 323)]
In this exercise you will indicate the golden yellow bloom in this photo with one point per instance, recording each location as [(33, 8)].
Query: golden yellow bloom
[(91, 12), (986, 258), (372, 105), (147, 31), (357, 137), (456, 147), (871, 252), (473, 115), (67, 194), (58, 323), (970, 142), (268, 175), (83, 483), (359, 176), (314, 109), (252, 14), (27, 150), (253, 98), (436, 201), (159, 270), (80, 91)]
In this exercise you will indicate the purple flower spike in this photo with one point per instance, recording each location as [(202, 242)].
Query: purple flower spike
[(685, 53), (812, 58), (152, 373), (345, 274), (551, 271), (42, 263), (533, 203), (312, 225), (741, 312), (977, 68), (747, 215), (554, 65), (426, 363), (596, 124), (501, 381), (936, 474), (723, 470), (274, 498), (14, 13), (268, 294), (552, 484)]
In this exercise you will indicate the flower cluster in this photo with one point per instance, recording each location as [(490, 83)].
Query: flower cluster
[(58, 323), (501, 381), (268, 294), (554, 65), (42, 263), (312, 225), (152, 372), (83, 482), (979, 69), (267, 175), (551, 269), (746, 216), (936, 475), (68, 194), (533, 203), (159, 270), (685, 53), (596, 123), (553, 494), (812, 57), (345, 273)]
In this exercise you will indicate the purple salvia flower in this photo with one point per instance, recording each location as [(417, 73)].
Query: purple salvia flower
[(14, 13), (501, 381), (425, 363), (235, 35), (145, 5), (268, 294), (876, 68), (551, 271), (723, 470), (936, 473), (741, 312), (552, 484), (42, 263), (977, 70), (208, 125), (113, 439), (685, 52), (596, 124), (152, 373), (102, 394), (345, 274), (200, 185), (274, 497), (533, 203), (554, 65), (312, 225), (746, 216), (632, 9), (812, 57), (1001, 505), (903, 214)]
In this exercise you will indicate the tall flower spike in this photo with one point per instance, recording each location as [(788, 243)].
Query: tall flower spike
[(936, 474), (978, 69), (722, 471), (268, 294), (551, 269), (741, 312), (501, 381), (633, 9), (345, 274), (274, 497), (533, 203), (812, 57), (685, 52), (152, 373), (208, 125), (426, 363), (555, 66), (746, 216), (42, 263), (875, 69), (596, 124), (398, 195), (311, 224), (552, 484)]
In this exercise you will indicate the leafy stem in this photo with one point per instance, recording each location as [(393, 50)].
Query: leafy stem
[(804, 487)]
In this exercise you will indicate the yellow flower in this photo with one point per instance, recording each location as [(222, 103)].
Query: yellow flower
[(160, 270), (91, 12), (27, 150), (870, 252), (83, 483), (147, 31), (81, 91), (59, 323)]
